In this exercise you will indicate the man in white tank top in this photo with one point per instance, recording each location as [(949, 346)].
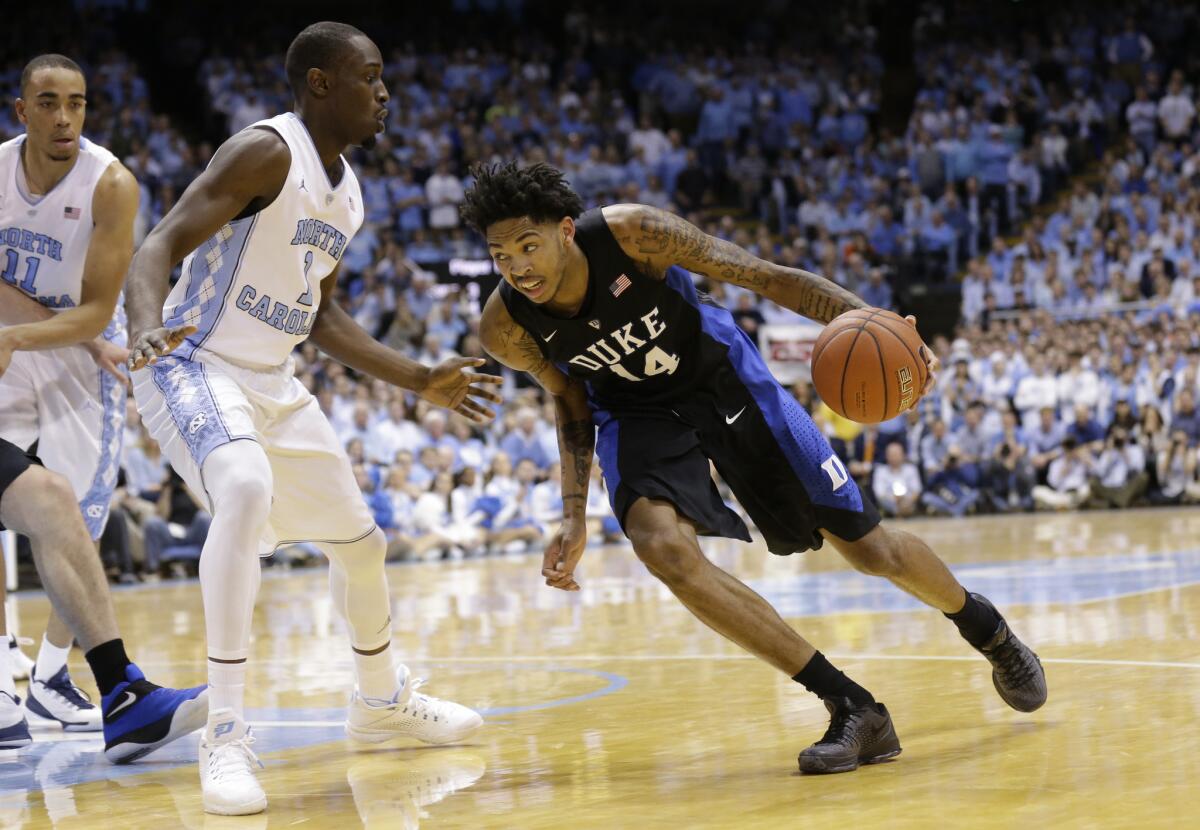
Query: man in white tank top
[(66, 235), (263, 229)]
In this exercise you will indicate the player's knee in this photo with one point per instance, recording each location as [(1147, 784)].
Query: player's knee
[(879, 553), (668, 554), (44, 500), (369, 551), (246, 490)]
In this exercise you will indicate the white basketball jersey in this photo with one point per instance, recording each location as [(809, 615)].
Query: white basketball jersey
[(44, 240), (252, 290)]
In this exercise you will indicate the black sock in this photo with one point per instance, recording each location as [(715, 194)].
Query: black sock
[(823, 680), (977, 622), (108, 662)]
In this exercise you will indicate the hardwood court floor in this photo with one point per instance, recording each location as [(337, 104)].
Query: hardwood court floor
[(615, 709)]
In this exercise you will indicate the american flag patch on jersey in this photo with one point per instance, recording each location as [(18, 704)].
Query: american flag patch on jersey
[(620, 285), (72, 213)]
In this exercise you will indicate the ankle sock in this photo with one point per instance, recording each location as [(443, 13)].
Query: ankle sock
[(821, 678)]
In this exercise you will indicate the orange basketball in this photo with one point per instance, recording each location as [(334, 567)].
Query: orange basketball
[(868, 365)]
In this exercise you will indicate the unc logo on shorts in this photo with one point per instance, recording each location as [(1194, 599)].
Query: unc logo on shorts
[(836, 472), (95, 511), (197, 422)]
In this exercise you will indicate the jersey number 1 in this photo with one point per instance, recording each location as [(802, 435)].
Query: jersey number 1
[(307, 297), (9, 274)]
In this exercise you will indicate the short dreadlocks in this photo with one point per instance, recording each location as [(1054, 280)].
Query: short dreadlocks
[(506, 191)]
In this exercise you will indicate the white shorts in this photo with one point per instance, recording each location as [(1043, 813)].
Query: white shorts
[(75, 412), (191, 407)]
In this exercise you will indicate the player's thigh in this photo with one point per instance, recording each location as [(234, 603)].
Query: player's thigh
[(317, 497), (18, 400), (191, 409)]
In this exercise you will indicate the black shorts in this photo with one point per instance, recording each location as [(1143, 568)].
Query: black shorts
[(763, 444), (13, 462)]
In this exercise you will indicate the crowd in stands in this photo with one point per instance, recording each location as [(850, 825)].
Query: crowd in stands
[(1053, 167)]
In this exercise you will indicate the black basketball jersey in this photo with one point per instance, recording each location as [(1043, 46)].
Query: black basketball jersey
[(636, 341)]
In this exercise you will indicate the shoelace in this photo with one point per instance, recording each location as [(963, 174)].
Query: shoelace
[(1012, 662), (72, 694), (842, 723), (232, 758), (424, 706)]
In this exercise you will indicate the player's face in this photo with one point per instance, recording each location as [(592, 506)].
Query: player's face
[(361, 95), (52, 108), (531, 258)]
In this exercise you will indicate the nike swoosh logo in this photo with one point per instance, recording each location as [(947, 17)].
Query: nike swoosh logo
[(551, 337), (729, 419), (130, 699)]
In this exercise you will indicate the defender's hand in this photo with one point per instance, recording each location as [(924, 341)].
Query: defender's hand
[(449, 384), (150, 345), (110, 357), (563, 553)]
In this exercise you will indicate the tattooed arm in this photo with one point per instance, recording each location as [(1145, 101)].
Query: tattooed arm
[(656, 240), (504, 339)]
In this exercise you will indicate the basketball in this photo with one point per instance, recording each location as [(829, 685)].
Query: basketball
[(867, 365)]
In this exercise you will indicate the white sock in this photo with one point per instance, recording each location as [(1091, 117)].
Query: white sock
[(6, 675), (50, 659), (227, 686), (376, 675)]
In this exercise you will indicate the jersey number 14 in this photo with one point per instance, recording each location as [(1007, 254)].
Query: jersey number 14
[(657, 362)]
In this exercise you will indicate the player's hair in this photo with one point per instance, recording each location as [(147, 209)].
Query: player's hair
[(48, 61), (320, 46), (507, 191)]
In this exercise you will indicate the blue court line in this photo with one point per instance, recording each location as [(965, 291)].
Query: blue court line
[(68, 763)]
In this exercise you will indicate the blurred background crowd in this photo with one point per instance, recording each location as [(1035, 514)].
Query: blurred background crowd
[(1025, 180)]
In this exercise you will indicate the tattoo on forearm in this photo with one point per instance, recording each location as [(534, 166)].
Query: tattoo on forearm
[(578, 443), (664, 237)]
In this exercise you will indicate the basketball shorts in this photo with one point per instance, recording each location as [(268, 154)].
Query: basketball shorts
[(75, 412), (761, 441), (191, 407), (13, 462)]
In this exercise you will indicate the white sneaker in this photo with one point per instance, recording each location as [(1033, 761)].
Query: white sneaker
[(409, 714), (227, 765), (22, 664), (59, 699), (14, 728)]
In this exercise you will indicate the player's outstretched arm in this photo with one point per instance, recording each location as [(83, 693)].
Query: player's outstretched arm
[(511, 344), (245, 175), (657, 240), (114, 206), (450, 384)]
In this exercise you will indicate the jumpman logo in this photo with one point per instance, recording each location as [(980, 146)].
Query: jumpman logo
[(302, 187)]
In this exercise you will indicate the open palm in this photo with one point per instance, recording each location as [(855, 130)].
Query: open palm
[(451, 385)]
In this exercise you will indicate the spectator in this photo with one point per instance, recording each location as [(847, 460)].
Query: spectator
[(1068, 481), (896, 483), (1120, 474)]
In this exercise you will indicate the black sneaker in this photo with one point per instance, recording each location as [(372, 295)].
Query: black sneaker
[(1017, 672), (856, 735)]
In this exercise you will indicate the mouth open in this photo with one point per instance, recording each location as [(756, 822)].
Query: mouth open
[(531, 286)]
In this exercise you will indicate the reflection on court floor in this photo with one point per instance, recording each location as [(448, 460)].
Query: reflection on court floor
[(614, 708)]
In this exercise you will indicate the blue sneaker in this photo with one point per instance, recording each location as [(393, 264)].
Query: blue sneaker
[(14, 729), (140, 717)]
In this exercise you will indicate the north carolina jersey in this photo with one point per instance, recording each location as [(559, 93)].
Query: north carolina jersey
[(252, 289), (44, 240)]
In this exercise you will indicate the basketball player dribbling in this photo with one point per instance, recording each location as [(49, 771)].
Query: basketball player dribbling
[(264, 228), (600, 309), (67, 208)]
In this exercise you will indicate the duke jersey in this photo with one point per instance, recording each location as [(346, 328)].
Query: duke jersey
[(44, 240), (252, 289), (637, 341)]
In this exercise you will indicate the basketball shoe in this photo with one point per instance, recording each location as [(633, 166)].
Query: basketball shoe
[(59, 699), (1017, 672), (14, 728), (140, 717), (227, 765), (392, 795), (856, 735), (409, 714), (22, 664)]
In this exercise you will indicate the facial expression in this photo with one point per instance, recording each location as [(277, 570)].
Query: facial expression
[(531, 258), (358, 93), (52, 108)]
